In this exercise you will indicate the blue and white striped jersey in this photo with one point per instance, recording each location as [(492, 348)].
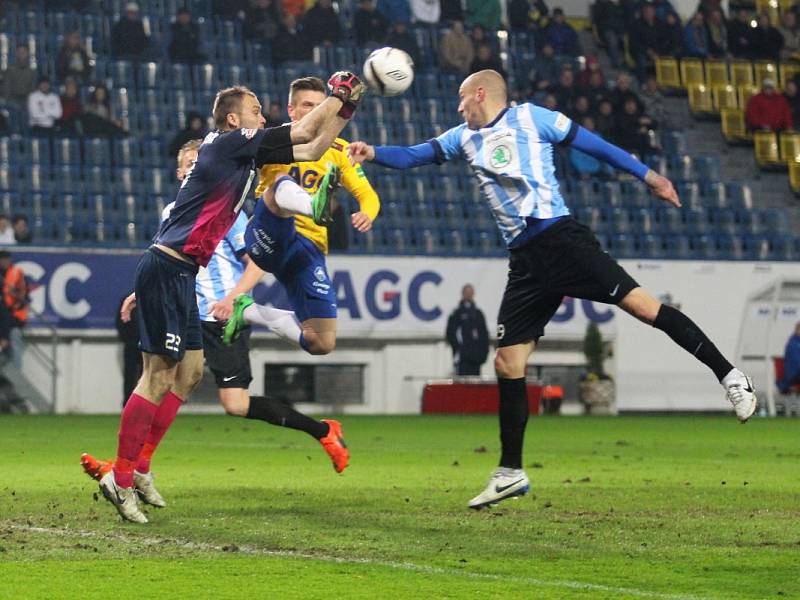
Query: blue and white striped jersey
[(512, 157), (220, 276)]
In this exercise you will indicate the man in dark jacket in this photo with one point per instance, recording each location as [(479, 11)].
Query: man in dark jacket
[(467, 335), (369, 24), (321, 24), (128, 38), (185, 44)]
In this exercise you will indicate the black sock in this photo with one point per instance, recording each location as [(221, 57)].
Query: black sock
[(280, 413), (690, 337), (513, 418)]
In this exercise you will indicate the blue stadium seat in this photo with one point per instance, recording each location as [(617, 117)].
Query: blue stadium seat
[(702, 247), (756, 247), (729, 247), (9, 202), (36, 150), (6, 181), (8, 151), (636, 194), (97, 151), (97, 180), (66, 151), (454, 241), (37, 178), (695, 220), (67, 178), (127, 180), (263, 78), (622, 245), (649, 246), (121, 73), (774, 221), (150, 75), (153, 152), (230, 52), (677, 246), (642, 220), (781, 248), (723, 221), (179, 76)]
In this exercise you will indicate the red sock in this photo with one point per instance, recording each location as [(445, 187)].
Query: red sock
[(133, 427), (165, 415)]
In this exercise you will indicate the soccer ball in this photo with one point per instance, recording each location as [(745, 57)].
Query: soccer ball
[(389, 71)]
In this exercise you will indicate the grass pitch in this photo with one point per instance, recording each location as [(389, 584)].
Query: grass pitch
[(631, 507)]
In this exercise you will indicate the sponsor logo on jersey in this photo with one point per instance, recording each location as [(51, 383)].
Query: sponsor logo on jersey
[(249, 133), (337, 146), (500, 157), (319, 273)]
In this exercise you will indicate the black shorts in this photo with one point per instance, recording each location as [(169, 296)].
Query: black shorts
[(166, 306), (564, 260), (229, 364)]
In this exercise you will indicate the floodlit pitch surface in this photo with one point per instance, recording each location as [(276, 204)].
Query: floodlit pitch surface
[(631, 507)]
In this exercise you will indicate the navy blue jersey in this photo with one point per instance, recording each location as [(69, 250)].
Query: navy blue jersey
[(212, 193)]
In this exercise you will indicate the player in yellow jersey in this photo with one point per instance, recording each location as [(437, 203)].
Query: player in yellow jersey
[(286, 239)]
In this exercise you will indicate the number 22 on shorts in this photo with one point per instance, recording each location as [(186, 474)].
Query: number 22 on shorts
[(173, 342)]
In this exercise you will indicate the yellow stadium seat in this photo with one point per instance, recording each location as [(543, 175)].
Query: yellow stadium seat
[(724, 96), (745, 92), (789, 143), (766, 147), (717, 72), (734, 128), (794, 175), (692, 72), (787, 71), (741, 72), (770, 8), (700, 100), (765, 69), (667, 74)]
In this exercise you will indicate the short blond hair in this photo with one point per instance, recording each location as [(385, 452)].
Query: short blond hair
[(188, 147), (229, 101)]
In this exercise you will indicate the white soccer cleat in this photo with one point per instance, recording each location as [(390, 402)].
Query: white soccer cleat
[(123, 499), (503, 484), (740, 392), (143, 482)]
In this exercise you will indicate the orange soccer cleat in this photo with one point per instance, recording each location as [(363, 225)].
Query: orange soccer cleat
[(94, 468), (334, 445)]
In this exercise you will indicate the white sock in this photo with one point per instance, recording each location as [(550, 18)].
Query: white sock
[(733, 376), (280, 322), (291, 197)]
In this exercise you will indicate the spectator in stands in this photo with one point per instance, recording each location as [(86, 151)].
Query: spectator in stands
[(654, 104), (478, 35), (695, 37), (274, 115), (791, 36), (524, 15), (768, 109), (565, 90), (230, 9), (427, 12), (71, 108), (586, 165), (741, 35), (768, 41), (561, 35), (631, 131), (452, 10), (485, 13), (790, 92), (717, 32), (400, 37), (44, 108), (73, 59), (604, 120), (545, 69), (591, 66), (296, 8), (19, 79), (261, 21), (185, 44), (370, 24), (321, 24), (581, 108), (98, 118), (670, 41), (15, 291), (596, 91), (663, 8), (791, 362), (6, 231), (22, 232), (455, 50), (609, 22), (395, 11), (622, 92), (290, 44), (467, 334), (195, 129), (485, 58), (550, 101), (128, 39), (646, 41)]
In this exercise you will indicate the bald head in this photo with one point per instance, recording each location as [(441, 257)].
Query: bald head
[(489, 80), (483, 96)]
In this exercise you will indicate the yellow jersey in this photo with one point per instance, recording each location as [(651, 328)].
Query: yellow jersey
[(309, 174)]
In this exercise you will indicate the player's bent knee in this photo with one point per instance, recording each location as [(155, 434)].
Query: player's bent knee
[(319, 344), (502, 367)]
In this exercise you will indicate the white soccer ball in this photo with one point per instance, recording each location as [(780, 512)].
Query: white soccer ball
[(389, 71)]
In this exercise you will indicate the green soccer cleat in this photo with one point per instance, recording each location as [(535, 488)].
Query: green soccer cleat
[(237, 322), (321, 200)]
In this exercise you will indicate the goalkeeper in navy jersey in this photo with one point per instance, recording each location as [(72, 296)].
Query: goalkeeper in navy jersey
[(207, 205), (510, 151)]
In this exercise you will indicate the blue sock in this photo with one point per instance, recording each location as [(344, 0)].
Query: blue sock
[(303, 343)]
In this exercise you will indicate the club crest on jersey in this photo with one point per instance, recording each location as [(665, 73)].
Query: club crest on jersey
[(501, 331), (249, 133), (319, 273), (562, 122), (500, 156)]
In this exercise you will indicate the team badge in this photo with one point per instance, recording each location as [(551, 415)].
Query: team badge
[(501, 331), (500, 157), (562, 122), (319, 273)]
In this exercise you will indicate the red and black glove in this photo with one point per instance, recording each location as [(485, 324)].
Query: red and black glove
[(347, 87)]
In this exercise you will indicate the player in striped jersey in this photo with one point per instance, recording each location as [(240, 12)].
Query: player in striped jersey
[(291, 245), (510, 151)]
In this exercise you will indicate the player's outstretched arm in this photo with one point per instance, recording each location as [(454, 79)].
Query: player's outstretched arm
[(315, 132), (590, 143), (394, 157)]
